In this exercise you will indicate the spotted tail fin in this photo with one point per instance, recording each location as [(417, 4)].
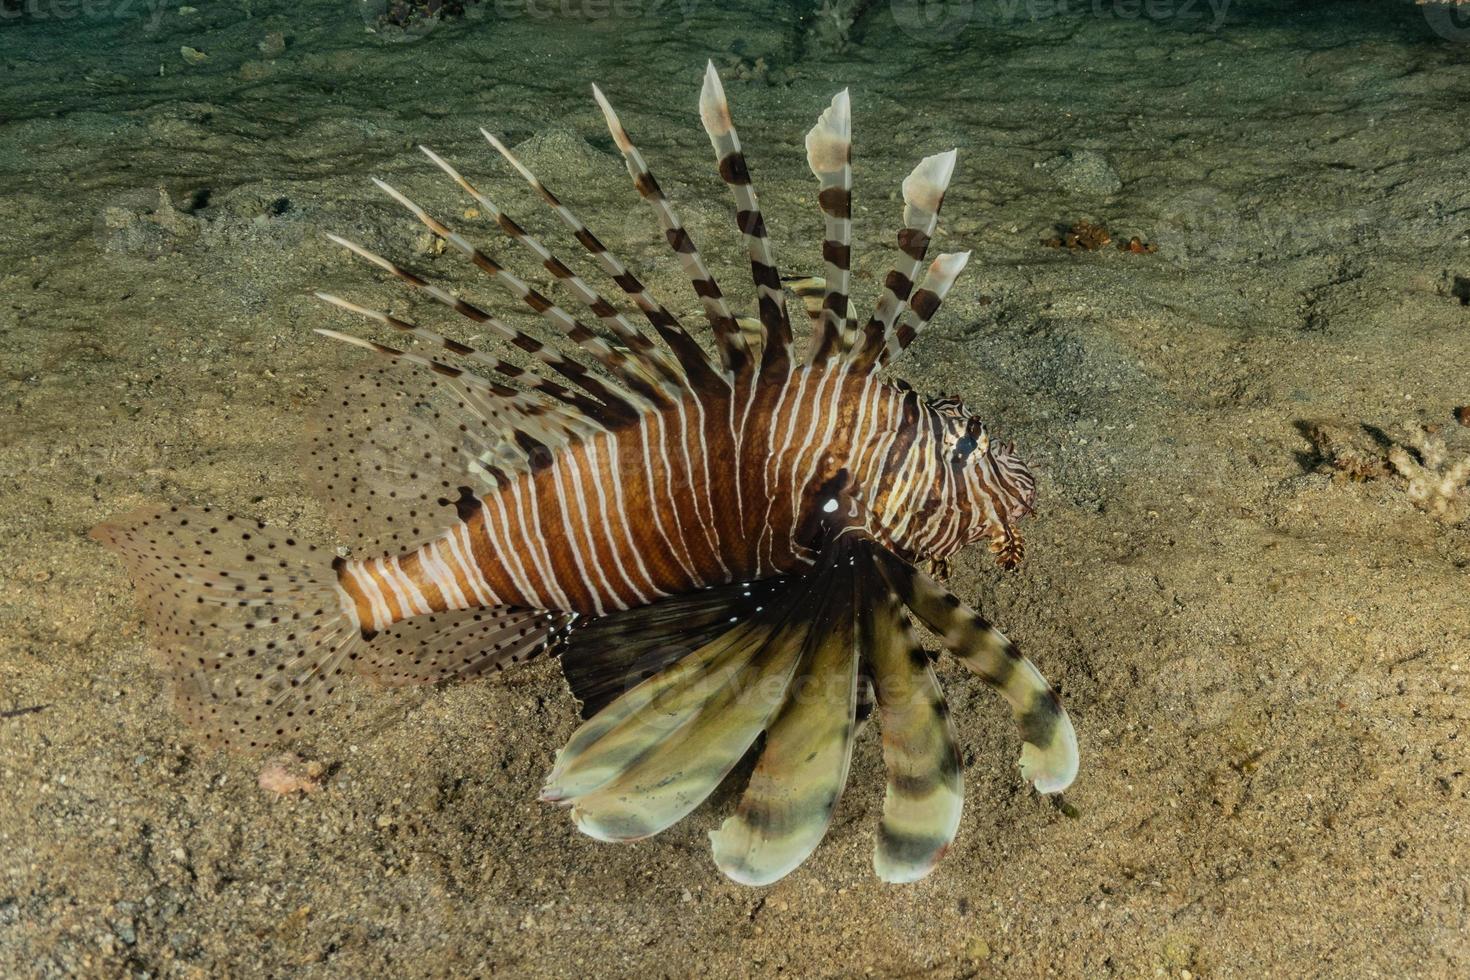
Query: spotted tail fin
[(250, 625), (714, 111), (256, 635), (459, 645), (829, 154)]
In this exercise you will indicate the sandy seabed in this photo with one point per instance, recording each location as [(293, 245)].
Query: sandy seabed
[(1266, 660)]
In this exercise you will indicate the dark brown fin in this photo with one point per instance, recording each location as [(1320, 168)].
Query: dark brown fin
[(714, 110), (607, 657), (735, 353), (923, 194), (791, 670), (247, 620), (456, 646), (615, 404), (829, 154), (788, 804), (692, 358), (655, 363)]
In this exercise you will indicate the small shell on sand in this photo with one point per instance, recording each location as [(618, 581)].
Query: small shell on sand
[(287, 774)]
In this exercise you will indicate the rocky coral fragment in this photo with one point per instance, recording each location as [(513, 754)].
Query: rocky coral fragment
[(1437, 486)]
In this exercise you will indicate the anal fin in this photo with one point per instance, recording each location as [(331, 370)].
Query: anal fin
[(459, 645)]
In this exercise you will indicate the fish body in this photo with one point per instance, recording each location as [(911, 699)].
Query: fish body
[(704, 492), (721, 546)]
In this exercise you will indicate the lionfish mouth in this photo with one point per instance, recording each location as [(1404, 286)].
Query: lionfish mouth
[(1018, 481)]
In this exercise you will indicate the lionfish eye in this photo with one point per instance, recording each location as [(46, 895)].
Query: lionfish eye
[(975, 437)]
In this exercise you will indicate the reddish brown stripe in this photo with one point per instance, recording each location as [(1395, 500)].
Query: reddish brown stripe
[(680, 241), (837, 303), (925, 304), (770, 311), (913, 243), (733, 169), (836, 201), (751, 223), (837, 253), (486, 262), (590, 241), (899, 284), (557, 268), (646, 185), (706, 289), (766, 275)]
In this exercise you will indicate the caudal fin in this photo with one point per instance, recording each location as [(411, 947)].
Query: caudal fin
[(248, 621)]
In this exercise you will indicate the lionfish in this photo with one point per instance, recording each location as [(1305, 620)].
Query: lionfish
[(722, 546)]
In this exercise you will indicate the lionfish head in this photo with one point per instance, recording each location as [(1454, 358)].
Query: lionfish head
[(997, 488)]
